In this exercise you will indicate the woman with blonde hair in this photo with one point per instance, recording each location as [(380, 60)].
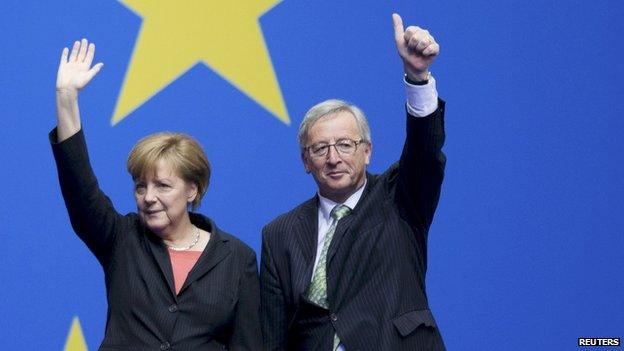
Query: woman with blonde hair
[(174, 280)]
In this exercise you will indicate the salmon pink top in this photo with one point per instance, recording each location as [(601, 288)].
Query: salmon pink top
[(182, 262)]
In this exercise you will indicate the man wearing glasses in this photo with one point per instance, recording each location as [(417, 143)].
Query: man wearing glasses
[(345, 270)]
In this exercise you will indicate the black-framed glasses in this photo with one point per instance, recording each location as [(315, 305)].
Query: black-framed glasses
[(345, 147)]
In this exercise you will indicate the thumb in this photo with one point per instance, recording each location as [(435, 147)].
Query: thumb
[(398, 27), (94, 70)]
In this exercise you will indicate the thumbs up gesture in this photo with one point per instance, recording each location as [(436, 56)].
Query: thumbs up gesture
[(417, 48)]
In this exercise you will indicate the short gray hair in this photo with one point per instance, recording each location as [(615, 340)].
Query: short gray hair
[(329, 107)]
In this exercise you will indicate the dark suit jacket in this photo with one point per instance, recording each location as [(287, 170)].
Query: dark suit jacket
[(376, 261), (218, 305)]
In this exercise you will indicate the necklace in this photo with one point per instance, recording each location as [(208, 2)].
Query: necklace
[(188, 247)]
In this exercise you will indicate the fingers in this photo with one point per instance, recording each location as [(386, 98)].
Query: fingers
[(90, 54), (82, 53), (64, 56), (74, 51), (397, 21), (432, 50), (420, 41), (94, 70)]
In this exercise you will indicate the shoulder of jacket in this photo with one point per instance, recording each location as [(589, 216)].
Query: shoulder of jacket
[(287, 219)]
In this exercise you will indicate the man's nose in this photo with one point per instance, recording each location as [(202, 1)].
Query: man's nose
[(333, 156)]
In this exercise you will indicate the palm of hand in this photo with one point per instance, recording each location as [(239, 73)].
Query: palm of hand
[(75, 71), (72, 75)]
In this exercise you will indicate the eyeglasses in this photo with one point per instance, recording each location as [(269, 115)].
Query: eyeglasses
[(345, 147)]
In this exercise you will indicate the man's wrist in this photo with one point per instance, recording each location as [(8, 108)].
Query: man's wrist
[(415, 77), (419, 81)]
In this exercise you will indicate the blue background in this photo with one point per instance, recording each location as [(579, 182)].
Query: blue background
[(526, 250)]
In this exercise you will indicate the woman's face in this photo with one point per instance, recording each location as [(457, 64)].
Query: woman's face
[(162, 198)]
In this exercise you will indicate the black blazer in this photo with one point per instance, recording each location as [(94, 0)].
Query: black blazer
[(218, 305), (376, 261)]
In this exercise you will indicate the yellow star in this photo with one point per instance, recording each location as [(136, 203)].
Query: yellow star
[(223, 34), (75, 339)]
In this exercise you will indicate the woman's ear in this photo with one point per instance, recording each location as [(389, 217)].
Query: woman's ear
[(191, 192)]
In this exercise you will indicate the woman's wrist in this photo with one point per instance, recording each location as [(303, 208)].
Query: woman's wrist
[(65, 94), (68, 114)]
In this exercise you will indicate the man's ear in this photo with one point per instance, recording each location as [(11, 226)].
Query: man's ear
[(368, 151), (306, 162)]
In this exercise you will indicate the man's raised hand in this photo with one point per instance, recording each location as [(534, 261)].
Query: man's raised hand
[(416, 47)]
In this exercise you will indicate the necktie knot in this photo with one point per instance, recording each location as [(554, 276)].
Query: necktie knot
[(340, 211)]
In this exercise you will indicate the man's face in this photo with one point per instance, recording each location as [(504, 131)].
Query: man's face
[(337, 175)]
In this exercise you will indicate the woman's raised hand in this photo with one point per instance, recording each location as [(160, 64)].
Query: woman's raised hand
[(75, 71)]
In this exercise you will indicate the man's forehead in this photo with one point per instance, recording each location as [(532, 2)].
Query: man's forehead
[(346, 114), (341, 121)]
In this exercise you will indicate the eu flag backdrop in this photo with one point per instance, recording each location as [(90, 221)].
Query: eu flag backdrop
[(526, 250)]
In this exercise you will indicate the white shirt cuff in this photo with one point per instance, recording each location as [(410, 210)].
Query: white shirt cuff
[(422, 100)]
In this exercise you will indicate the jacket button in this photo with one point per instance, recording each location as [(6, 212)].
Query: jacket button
[(165, 346), (333, 317), (173, 308)]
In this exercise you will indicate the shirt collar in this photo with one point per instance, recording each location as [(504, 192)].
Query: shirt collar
[(326, 205)]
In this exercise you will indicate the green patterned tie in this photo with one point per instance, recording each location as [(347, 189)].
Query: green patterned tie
[(317, 292)]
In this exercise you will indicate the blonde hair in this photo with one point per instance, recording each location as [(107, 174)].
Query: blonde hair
[(183, 152)]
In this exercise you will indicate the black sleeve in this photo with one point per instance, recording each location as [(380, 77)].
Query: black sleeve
[(91, 212), (421, 169)]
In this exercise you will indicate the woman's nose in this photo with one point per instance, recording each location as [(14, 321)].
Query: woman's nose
[(150, 195)]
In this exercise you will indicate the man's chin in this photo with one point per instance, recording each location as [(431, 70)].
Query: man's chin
[(337, 193)]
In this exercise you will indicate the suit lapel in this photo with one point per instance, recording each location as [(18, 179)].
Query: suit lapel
[(341, 230), (159, 251), (215, 252), (346, 222), (306, 229), (306, 234)]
